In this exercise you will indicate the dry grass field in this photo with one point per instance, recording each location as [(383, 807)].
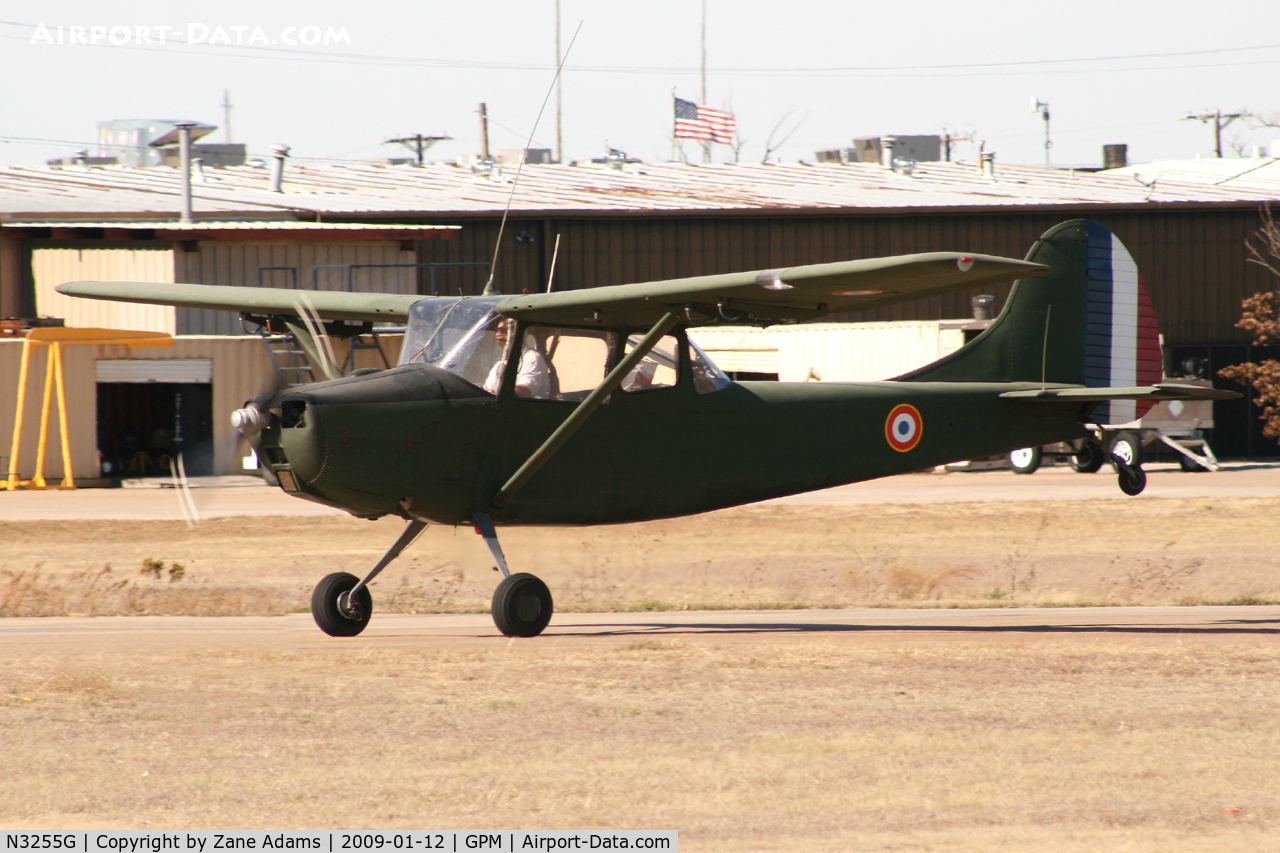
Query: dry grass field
[(877, 740), (883, 740), (1151, 551)]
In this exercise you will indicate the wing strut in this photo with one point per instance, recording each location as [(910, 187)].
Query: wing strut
[(584, 409)]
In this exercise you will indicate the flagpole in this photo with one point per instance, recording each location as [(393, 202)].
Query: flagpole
[(673, 124)]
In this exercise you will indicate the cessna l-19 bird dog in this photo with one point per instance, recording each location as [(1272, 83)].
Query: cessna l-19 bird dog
[(594, 407)]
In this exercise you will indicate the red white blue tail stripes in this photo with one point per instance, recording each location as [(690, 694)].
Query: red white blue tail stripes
[(1122, 341)]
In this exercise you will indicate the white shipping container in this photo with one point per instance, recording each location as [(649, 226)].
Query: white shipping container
[(831, 352)]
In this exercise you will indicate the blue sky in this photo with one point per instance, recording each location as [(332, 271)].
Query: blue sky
[(837, 69)]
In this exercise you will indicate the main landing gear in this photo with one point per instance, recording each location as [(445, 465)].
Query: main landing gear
[(522, 606)]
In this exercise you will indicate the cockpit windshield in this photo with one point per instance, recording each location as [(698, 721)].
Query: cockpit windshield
[(456, 333), (460, 334)]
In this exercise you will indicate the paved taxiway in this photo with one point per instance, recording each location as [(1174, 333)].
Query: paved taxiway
[(28, 637), (235, 496)]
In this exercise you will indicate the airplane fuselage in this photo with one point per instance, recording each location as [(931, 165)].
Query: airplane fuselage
[(660, 453)]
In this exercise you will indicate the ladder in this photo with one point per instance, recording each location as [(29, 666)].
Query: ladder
[(288, 358), (359, 342)]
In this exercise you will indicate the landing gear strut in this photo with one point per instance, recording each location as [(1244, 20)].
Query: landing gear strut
[(341, 604), (522, 604)]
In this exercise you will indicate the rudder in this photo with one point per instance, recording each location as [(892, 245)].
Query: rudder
[(1088, 321)]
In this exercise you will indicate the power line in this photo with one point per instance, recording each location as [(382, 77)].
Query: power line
[(302, 55)]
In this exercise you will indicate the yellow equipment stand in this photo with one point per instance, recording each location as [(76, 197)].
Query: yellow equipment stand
[(53, 338)]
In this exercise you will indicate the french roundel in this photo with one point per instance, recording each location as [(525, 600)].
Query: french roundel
[(903, 427)]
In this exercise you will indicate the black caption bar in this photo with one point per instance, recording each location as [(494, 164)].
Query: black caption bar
[(344, 841)]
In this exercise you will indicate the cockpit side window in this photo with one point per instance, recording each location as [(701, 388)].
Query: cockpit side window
[(660, 368), (563, 363)]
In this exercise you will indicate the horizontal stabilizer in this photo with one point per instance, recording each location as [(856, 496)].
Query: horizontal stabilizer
[(1153, 393)]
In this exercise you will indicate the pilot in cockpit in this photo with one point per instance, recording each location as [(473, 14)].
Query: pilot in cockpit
[(534, 378)]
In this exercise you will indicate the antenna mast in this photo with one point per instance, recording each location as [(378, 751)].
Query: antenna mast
[(559, 146), (706, 144), (226, 112)]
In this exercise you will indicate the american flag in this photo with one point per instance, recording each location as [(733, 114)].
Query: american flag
[(694, 121)]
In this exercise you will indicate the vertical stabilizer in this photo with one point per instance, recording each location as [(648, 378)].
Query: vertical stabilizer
[(1089, 321)]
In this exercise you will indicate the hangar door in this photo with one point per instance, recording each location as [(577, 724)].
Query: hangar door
[(150, 410)]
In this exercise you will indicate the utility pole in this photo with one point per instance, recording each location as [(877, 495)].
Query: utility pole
[(418, 143), (1042, 107), (484, 131), (226, 113), (559, 75), (1220, 121), (706, 145)]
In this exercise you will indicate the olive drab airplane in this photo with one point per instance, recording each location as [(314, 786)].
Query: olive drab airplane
[(594, 407)]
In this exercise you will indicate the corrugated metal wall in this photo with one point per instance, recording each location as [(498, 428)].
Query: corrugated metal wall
[(1193, 259), (241, 369), (53, 266), (237, 263)]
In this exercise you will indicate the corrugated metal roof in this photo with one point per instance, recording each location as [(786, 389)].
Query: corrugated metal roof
[(254, 225), (442, 189), (1261, 174)]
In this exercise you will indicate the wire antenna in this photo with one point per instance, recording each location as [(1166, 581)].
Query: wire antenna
[(490, 289), (1044, 351), (551, 276)]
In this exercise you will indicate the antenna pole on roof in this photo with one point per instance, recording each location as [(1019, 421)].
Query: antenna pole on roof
[(559, 147), (706, 144), (490, 287), (226, 113)]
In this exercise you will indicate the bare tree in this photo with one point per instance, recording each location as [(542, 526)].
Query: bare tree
[(1271, 119), (770, 145), (1261, 318)]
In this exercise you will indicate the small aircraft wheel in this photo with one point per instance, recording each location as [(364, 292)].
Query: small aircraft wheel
[(1127, 447), (1132, 479), (330, 616), (1024, 460), (1089, 458), (522, 606), (1190, 465)]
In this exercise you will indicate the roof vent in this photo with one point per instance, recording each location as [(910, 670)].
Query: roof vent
[(279, 152), (987, 160)]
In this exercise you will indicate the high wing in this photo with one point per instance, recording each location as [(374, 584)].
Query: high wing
[(795, 293), (268, 301)]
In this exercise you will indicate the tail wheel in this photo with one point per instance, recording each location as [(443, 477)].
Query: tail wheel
[(1132, 480), (522, 606), (1025, 460), (1127, 447), (1089, 458), (329, 607)]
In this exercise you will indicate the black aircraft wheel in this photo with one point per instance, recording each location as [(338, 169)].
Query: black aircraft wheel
[(333, 619), (521, 606), (1088, 459), (1127, 447), (1025, 460), (1132, 479)]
